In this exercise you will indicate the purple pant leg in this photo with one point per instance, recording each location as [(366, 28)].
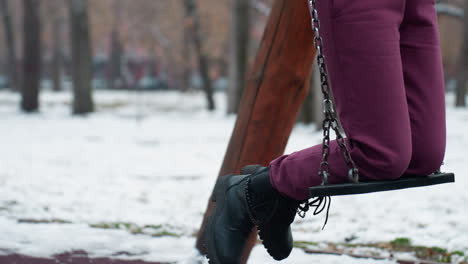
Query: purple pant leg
[(368, 78), (425, 91)]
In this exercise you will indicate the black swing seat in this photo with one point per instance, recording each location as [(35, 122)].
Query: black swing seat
[(380, 186)]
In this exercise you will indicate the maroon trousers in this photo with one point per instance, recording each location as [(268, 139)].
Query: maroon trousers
[(385, 68)]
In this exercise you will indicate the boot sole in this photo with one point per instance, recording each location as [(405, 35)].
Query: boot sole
[(269, 247), (218, 198)]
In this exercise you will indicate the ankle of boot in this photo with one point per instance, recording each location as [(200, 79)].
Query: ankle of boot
[(260, 184), (262, 198)]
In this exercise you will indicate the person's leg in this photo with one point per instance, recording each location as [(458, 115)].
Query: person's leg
[(362, 49), (424, 80)]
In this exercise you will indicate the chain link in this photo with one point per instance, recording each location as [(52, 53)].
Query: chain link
[(330, 121)]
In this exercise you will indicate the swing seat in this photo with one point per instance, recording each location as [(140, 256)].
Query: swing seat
[(380, 186)]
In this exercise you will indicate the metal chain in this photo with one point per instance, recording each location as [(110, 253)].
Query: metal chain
[(330, 121)]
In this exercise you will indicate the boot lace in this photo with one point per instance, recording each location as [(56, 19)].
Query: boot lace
[(320, 204)]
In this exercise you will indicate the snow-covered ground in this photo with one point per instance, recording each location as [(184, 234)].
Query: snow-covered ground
[(146, 163)]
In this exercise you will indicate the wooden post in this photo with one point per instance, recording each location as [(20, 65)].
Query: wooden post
[(276, 87)]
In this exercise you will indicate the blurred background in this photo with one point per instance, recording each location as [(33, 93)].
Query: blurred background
[(112, 111), (188, 46), (142, 45)]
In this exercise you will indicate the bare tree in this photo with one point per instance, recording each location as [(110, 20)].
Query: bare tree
[(193, 19), (307, 113), (10, 44), (116, 75), (461, 89), (311, 112), (239, 54), (57, 56), (317, 97), (187, 55), (32, 56), (81, 57)]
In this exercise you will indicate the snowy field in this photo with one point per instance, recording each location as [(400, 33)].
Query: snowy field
[(133, 180)]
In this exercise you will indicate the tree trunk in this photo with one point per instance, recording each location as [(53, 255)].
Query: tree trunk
[(203, 62), (31, 56), (311, 112), (81, 57), (462, 80), (306, 114), (116, 61), (10, 45), (57, 59), (239, 52), (186, 67), (116, 80), (276, 88), (317, 98)]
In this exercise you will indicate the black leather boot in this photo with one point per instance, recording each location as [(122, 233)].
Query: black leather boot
[(243, 201), (273, 214)]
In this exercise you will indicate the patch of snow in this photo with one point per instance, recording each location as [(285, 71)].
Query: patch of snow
[(152, 159)]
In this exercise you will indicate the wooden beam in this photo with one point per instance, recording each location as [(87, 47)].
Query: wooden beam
[(276, 88)]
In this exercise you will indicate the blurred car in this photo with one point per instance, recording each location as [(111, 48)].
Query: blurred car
[(99, 83), (4, 83), (221, 84), (152, 83)]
